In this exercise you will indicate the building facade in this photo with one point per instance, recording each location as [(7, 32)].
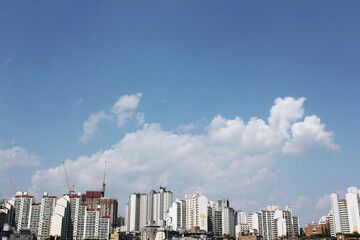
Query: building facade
[(228, 221), (196, 211)]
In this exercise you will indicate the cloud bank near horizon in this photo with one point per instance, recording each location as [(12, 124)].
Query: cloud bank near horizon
[(229, 156)]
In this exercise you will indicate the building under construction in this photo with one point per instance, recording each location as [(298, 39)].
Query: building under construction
[(73, 216)]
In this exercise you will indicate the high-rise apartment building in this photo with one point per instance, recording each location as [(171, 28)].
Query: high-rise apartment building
[(143, 209), (136, 212), (158, 204), (35, 218), (344, 216), (340, 219), (177, 215), (95, 225), (283, 223), (279, 224), (274, 223), (352, 201), (150, 207), (296, 226), (253, 221), (228, 221), (109, 209), (9, 210), (196, 211), (60, 220), (215, 218), (242, 223), (109, 206), (266, 218), (78, 217), (22, 205), (241, 217), (46, 210), (69, 217)]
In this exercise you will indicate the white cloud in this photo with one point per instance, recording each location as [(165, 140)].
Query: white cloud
[(301, 202), (17, 156), (91, 125), (186, 128), (283, 113), (323, 202), (123, 110), (124, 107), (308, 135), (80, 101), (229, 156), (140, 118)]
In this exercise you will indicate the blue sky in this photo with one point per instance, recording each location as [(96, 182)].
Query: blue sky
[(61, 62)]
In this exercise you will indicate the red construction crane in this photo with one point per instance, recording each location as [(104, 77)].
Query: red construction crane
[(12, 184), (103, 188), (71, 189)]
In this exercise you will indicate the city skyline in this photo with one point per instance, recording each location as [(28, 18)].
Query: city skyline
[(94, 215), (254, 102)]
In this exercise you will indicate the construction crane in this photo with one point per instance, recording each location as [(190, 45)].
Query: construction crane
[(71, 189), (12, 184), (103, 188)]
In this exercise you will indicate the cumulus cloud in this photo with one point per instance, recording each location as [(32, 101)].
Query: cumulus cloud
[(323, 202), (307, 135), (91, 125), (124, 107), (17, 156), (230, 155), (283, 113), (123, 110)]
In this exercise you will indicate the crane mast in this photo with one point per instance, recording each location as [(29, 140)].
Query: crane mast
[(12, 184), (104, 184), (71, 189)]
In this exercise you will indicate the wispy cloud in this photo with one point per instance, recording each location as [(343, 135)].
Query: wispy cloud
[(6, 62), (123, 110), (140, 118), (80, 101), (91, 125)]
